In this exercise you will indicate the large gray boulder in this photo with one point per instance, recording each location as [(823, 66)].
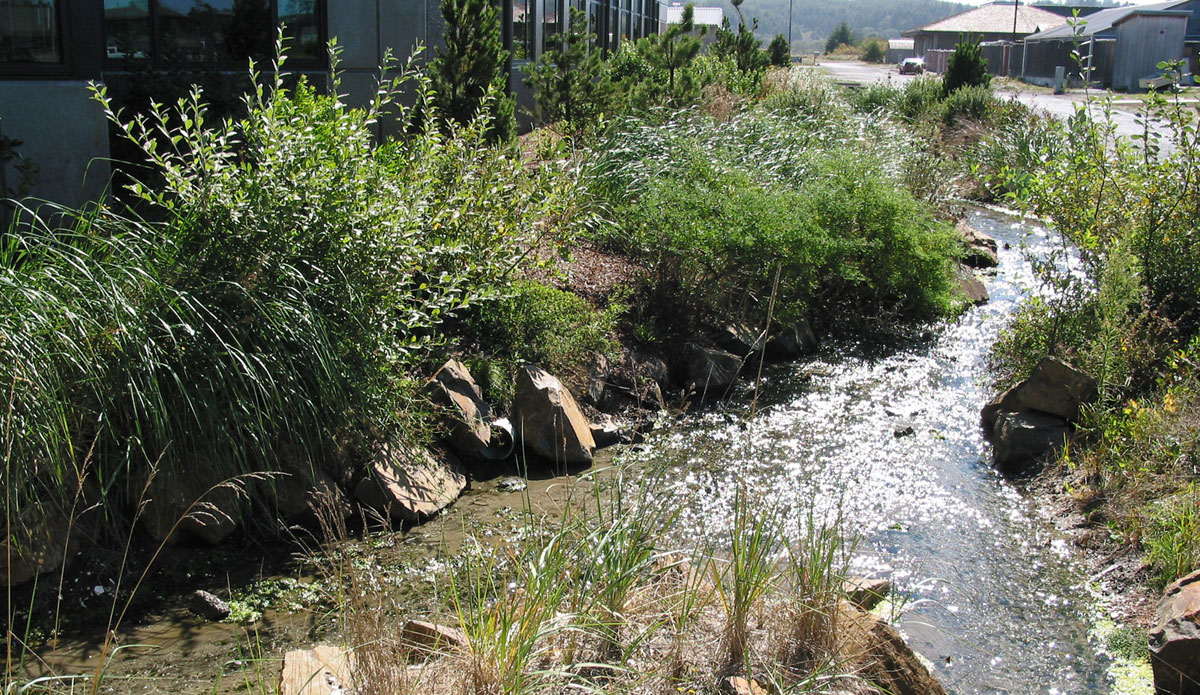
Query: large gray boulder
[(1025, 437), (547, 419), (1055, 388), (741, 339), (970, 286), (711, 371), (41, 545), (1175, 639), (793, 341), (410, 485), (462, 409), (979, 249), (197, 503)]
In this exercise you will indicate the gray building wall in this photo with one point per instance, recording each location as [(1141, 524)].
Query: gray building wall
[(65, 135), (1143, 40)]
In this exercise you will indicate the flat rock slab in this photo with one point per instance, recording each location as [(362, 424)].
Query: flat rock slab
[(322, 670), (422, 636), (1175, 639), (548, 421), (866, 593), (410, 486)]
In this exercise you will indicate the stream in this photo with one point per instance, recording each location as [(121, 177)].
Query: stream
[(892, 444), (889, 442)]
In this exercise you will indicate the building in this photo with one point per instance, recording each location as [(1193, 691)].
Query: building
[(51, 49), (899, 49), (1003, 20), (1117, 46)]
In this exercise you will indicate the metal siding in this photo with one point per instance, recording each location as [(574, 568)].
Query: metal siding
[(1142, 42)]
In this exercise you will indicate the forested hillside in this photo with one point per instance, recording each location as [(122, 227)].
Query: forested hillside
[(813, 20)]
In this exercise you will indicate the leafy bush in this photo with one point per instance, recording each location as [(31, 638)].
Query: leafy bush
[(873, 97), (716, 210), (553, 328), (282, 282)]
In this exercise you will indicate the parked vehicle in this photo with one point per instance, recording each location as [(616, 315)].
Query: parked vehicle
[(912, 66)]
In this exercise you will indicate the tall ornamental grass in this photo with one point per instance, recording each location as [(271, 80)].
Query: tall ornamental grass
[(263, 298)]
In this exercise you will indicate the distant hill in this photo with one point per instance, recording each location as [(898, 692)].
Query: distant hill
[(814, 20)]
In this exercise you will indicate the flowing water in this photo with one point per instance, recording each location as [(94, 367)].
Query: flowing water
[(995, 601)]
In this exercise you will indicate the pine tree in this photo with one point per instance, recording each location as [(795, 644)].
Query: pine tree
[(742, 45), (841, 36), (781, 53), (569, 82), (673, 50), (966, 67), (472, 67)]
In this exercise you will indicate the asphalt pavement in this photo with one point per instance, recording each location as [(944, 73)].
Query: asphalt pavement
[(1057, 105)]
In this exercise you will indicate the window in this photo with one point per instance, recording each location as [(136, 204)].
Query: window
[(523, 26), (550, 26), (210, 32), (29, 31)]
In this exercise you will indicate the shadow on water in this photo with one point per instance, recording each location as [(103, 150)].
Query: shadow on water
[(889, 441)]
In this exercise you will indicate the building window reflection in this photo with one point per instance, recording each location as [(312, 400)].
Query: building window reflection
[(29, 31), (213, 32)]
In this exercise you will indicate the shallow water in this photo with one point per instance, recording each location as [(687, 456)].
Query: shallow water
[(994, 600)]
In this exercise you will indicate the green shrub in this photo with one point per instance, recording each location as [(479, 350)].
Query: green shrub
[(874, 50), (919, 98), (468, 73), (969, 104), (780, 52), (291, 278), (553, 328), (873, 97)]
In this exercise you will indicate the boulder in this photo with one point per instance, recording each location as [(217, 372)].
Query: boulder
[(1054, 387), (888, 662), (208, 606), (302, 491), (462, 408), (410, 485), (1175, 639), (970, 286), (598, 374), (196, 503), (711, 371), (607, 432), (792, 342), (547, 419), (41, 545), (979, 249), (1024, 437), (421, 636), (741, 339), (322, 670), (866, 593)]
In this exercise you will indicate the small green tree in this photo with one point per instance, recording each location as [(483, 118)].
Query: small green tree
[(742, 44), (780, 52), (471, 67), (673, 51), (966, 68), (569, 81), (841, 36), (874, 51)]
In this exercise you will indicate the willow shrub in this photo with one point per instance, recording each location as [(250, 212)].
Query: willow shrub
[(284, 277), (715, 210)]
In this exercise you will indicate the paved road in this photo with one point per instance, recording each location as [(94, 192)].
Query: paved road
[(1057, 105)]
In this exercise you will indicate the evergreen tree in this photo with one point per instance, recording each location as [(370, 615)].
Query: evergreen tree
[(780, 53), (570, 82), (841, 36), (966, 67), (471, 67), (673, 50), (876, 51), (742, 45)]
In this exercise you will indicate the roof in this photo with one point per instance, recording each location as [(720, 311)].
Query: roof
[(900, 44), (704, 16), (995, 18), (1102, 21)]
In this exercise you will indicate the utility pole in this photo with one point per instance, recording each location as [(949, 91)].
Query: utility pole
[(790, 27)]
